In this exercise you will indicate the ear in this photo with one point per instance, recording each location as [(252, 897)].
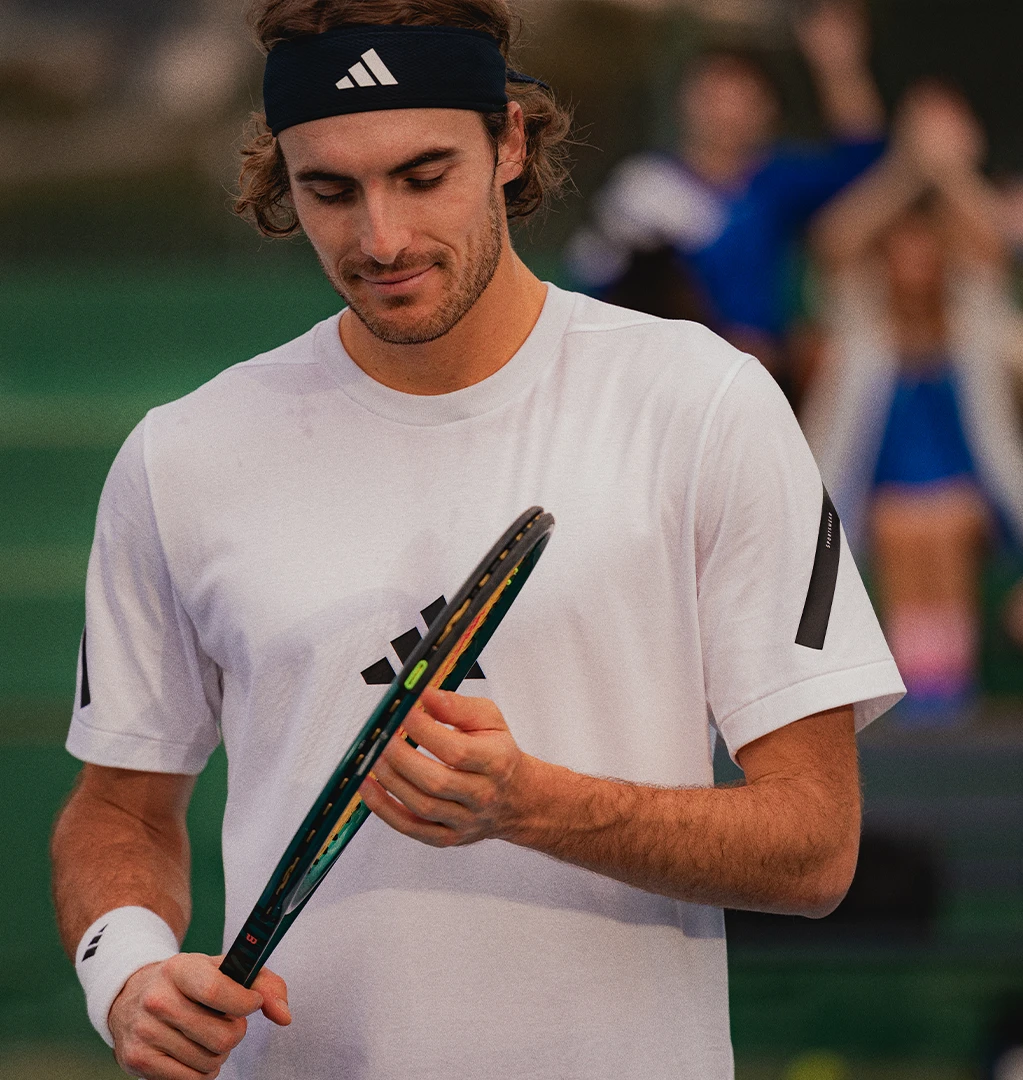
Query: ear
[(511, 151)]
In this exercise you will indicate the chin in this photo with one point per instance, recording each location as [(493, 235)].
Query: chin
[(413, 326)]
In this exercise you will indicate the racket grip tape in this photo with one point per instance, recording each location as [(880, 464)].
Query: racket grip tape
[(243, 957)]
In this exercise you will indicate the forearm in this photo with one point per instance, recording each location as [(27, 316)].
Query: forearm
[(767, 846), (105, 857), (786, 841), (845, 230), (975, 217), (851, 103)]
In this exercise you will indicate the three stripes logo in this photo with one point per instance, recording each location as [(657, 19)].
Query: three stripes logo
[(93, 945), (363, 72), (382, 673)]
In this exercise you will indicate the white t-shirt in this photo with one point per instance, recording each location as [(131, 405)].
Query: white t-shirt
[(263, 541)]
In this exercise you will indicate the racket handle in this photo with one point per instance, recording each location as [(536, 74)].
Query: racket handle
[(242, 962)]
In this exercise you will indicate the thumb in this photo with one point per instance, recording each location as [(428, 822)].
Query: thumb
[(274, 991)]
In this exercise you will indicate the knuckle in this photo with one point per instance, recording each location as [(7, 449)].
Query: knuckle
[(153, 1001), (445, 788), (230, 1037), (223, 1043), (488, 709), (459, 758), (208, 987), (174, 965), (134, 1058), (146, 1029)]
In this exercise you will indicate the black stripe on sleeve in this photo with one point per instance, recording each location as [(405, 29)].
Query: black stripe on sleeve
[(86, 696), (813, 626)]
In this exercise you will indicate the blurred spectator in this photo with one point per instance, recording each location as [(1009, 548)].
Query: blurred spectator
[(110, 88), (723, 214), (912, 417)]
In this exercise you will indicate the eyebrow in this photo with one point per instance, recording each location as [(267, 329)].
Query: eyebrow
[(430, 157)]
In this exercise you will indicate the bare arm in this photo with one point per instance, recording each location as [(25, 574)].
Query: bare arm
[(785, 841), (976, 234), (122, 840), (937, 146), (846, 230), (834, 40)]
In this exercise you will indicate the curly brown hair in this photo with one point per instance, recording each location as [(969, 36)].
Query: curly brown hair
[(264, 191)]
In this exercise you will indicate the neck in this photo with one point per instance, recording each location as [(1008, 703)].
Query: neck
[(489, 335)]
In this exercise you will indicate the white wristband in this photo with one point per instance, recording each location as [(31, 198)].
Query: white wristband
[(112, 950)]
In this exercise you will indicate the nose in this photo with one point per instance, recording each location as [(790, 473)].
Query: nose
[(384, 231)]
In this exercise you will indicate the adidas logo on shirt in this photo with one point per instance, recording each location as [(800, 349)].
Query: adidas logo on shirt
[(382, 672), (359, 74)]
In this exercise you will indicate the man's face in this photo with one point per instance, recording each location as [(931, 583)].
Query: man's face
[(727, 103), (405, 210)]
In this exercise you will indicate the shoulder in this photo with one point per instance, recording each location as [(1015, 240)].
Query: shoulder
[(640, 366), (633, 340), (795, 157), (243, 392)]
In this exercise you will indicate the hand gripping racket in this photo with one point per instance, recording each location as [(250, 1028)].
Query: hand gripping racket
[(443, 658)]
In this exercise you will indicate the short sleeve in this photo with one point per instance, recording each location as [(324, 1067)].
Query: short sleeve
[(147, 697), (803, 178), (766, 570)]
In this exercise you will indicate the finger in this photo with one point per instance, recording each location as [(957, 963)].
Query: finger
[(462, 747), (434, 777), (464, 713), (423, 804), (199, 979), (184, 1050), (451, 746), (402, 820), (215, 1033), (274, 991), (148, 1063)]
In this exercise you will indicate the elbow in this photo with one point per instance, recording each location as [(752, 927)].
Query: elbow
[(822, 900), (825, 889)]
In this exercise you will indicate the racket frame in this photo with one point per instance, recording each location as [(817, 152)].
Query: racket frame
[(327, 830)]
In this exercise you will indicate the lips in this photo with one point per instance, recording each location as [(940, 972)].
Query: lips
[(392, 280)]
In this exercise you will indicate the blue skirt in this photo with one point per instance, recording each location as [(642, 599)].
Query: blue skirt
[(924, 440)]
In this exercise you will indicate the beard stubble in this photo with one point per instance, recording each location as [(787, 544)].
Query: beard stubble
[(483, 256)]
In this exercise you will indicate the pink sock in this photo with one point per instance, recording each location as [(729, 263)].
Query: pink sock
[(935, 648)]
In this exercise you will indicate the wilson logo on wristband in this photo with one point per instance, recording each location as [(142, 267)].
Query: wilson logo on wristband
[(93, 944)]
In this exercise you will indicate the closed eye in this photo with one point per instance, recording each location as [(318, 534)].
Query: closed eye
[(335, 197), (418, 183)]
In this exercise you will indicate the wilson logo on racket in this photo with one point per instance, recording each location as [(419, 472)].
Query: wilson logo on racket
[(382, 673)]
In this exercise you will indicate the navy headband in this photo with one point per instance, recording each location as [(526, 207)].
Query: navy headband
[(368, 68)]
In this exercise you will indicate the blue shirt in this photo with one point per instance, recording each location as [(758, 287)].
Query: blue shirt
[(733, 243)]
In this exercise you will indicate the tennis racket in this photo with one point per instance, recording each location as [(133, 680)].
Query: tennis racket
[(443, 658)]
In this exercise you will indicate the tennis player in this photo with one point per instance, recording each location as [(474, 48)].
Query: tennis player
[(541, 894)]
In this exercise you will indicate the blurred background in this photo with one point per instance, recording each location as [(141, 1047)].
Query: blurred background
[(835, 187)]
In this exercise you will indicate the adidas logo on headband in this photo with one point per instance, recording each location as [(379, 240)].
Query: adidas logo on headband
[(359, 75), (439, 67)]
